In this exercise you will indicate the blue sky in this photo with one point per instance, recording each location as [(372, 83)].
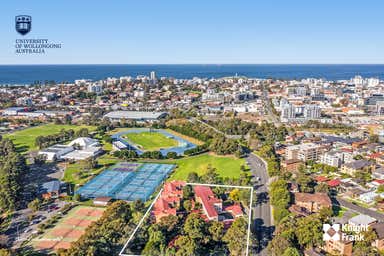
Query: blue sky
[(198, 31)]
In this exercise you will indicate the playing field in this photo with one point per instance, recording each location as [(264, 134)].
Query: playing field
[(25, 139), (150, 141), (226, 166), (68, 229)]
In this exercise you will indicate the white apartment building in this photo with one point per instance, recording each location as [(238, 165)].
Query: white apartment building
[(95, 88), (332, 158)]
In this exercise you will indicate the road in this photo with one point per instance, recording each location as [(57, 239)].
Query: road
[(359, 209), (263, 226), (268, 108)]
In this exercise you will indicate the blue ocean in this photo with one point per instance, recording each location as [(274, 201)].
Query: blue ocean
[(28, 74)]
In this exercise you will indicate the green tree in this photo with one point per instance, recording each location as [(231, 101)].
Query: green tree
[(235, 195), (156, 243), (380, 189), (187, 205), (193, 177), (291, 251), (195, 227), (236, 237), (77, 197), (210, 176), (187, 192), (186, 246), (216, 230), (34, 205), (309, 231), (322, 188)]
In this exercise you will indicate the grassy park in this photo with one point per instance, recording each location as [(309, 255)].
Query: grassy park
[(226, 166), (151, 141), (24, 140)]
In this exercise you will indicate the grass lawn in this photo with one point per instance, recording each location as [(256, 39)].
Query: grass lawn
[(76, 174), (226, 166), (151, 141), (24, 140)]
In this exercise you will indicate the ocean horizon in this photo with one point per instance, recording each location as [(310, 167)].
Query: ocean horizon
[(29, 74)]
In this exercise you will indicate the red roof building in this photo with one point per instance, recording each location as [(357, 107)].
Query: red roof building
[(235, 210), (321, 179), (169, 200), (334, 183), (212, 206)]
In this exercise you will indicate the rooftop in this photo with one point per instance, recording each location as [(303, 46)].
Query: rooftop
[(135, 115), (361, 219)]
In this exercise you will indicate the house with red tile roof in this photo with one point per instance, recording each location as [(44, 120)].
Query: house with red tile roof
[(169, 200), (334, 183), (212, 206), (172, 195), (235, 210)]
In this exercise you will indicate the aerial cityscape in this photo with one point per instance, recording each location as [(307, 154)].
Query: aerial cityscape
[(191, 128)]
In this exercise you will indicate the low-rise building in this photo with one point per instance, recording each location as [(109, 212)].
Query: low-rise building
[(362, 220), (140, 116), (55, 152), (312, 203), (50, 189), (359, 165), (342, 247), (212, 206), (291, 165)]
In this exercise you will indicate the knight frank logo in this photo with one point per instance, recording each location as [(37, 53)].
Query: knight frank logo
[(344, 232), (331, 232), (23, 24)]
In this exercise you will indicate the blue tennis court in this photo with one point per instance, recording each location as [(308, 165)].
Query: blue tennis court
[(127, 181)]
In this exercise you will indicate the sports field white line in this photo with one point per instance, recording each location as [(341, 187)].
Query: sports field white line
[(195, 184)]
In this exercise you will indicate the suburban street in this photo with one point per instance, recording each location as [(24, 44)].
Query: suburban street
[(346, 204), (262, 225), (267, 106)]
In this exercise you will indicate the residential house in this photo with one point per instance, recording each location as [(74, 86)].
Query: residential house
[(362, 220), (378, 173)]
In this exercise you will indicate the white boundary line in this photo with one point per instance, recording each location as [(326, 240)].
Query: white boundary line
[(138, 225), (194, 184)]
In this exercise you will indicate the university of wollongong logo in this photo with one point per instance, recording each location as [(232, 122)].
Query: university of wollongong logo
[(23, 24)]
